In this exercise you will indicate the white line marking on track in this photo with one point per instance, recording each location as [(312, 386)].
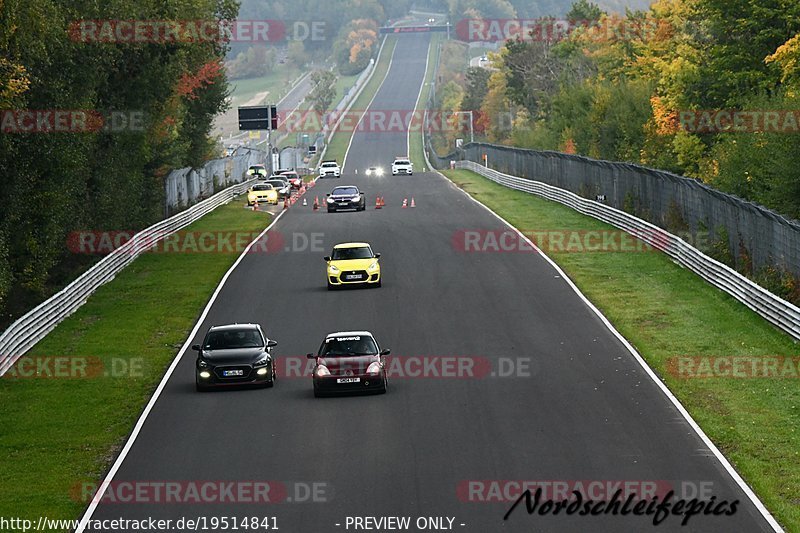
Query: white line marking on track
[(153, 399), (350, 144), (649, 371)]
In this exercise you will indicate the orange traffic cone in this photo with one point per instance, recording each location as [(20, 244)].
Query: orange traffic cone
[(383, 202), (405, 203), (413, 204), (377, 202), (316, 203), (286, 202), (255, 205)]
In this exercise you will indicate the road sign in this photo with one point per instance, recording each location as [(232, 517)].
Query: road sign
[(258, 118)]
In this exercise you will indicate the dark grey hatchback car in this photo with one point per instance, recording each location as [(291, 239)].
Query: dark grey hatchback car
[(235, 354)]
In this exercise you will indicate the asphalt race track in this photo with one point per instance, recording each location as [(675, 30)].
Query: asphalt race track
[(584, 410)]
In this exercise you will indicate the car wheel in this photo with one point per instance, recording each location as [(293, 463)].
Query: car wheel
[(317, 394), (331, 210), (200, 388), (380, 281), (330, 287), (382, 390)]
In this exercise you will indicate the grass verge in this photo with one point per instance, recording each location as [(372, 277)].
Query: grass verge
[(666, 312), (415, 140), (70, 427), (277, 83), (338, 145)]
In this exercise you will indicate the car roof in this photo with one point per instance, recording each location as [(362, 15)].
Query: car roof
[(227, 327), (351, 245), (348, 334)]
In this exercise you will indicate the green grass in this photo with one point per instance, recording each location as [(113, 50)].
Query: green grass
[(278, 82), (666, 311), (338, 145), (415, 148), (59, 432)]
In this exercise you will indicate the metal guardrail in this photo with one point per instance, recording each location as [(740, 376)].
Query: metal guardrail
[(29, 329), (776, 310)]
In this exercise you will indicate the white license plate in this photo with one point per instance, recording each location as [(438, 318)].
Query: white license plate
[(232, 373), (353, 276), (348, 380)]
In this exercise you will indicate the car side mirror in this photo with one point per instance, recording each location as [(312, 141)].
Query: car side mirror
[(271, 343), (327, 258), (386, 352), (311, 355), (196, 347), (377, 256), (328, 194)]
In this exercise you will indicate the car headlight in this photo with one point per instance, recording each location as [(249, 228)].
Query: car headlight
[(373, 266), (322, 371), (379, 172), (374, 369), (332, 268), (263, 361), (205, 374), (202, 363)]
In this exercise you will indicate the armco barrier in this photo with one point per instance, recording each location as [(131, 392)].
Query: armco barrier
[(778, 311), (29, 329)]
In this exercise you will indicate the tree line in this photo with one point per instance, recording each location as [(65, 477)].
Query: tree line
[(92, 125)]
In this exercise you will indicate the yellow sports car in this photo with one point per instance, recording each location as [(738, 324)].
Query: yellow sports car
[(353, 263), (264, 193)]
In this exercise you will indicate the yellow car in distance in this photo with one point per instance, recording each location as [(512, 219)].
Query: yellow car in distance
[(263, 193), (353, 263)]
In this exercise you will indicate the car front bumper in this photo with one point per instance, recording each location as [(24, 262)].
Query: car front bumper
[(340, 279), (330, 385), (216, 378)]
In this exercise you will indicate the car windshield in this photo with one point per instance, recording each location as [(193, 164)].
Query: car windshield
[(345, 191), (231, 339), (348, 346), (362, 252), (262, 187), (329, 164), (277, 183), (402, 162)]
